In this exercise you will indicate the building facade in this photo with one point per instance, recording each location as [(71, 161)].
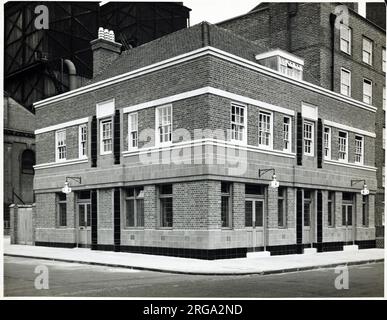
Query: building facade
[(19, 156), (343, 52), (173, 146)]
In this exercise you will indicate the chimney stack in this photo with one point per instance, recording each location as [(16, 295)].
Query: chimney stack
[(105, 50)]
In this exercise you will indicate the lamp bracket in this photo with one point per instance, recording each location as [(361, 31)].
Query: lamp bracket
[(353, 182), (77, 179), (261, 172)]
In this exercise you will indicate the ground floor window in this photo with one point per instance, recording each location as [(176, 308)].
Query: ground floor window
[(364, 220), (226, 204), (331, 209), (61, 209), (135, 207), (307, 207), (166, 206), (281, 207)]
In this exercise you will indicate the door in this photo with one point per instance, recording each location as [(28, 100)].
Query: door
[(24, 225), (84, 225), (347, 215), (254, 218)]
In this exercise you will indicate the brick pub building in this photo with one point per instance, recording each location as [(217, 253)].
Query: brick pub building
[(171, 149), (332, 57)]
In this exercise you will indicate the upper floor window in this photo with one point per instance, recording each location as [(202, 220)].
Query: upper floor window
[(343, 146), (290, 68), (287, 135), (83, 141), (345, 39), (60, 145), (367, 50), (367, 91), (345, 82), (384, 138), (383, 176), (308, 138), (384, 59), (265, 128), (327, 143), (106, 136), (133, 131), (164, 124), (359, 149), (238, 126), (384, 98)]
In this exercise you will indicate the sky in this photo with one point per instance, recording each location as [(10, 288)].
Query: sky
[(214, 11)]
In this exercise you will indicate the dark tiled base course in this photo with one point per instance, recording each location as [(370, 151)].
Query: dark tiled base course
[(216, 253)]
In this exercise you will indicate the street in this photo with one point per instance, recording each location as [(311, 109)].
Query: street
[(81, 280)]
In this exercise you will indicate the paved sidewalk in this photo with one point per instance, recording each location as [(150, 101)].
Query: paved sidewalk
[(241, 266)]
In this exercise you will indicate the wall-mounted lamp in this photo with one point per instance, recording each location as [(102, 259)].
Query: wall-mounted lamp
[(273, 183), (66, 189), (363, 191)]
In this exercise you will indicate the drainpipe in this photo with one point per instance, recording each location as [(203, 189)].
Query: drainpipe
[(332, 19), (72, 74)]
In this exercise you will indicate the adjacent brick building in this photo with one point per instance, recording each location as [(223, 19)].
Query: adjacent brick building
[(333, 56), (171, 149), (19, 156)]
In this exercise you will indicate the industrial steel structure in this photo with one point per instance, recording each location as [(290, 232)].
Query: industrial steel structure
[(39, 63)]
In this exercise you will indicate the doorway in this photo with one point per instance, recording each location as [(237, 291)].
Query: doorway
[(84, 224), (347, 214), (254, 222)]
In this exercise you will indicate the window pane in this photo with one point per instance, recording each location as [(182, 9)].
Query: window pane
[(306, 213), (248, 213), (140, 212), (130, 213), (349, 215), (166, 212), (62, 214), (225, 213), (280, 212), (82, 220), (166, 189), (344, 215), (259, 213)]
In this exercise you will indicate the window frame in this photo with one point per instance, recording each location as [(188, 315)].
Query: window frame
[(362, 149), (282, 198), (157, 126), (82, 147), (60, 202), (130, 131), (364, 40), (365, 211), (101, 145), (370, 84), (135, 199), (331, 203), (329, 156), (227, 195), (384, 59), (64, 145), (346, 146), (271, 131), (162, 196), (311, 211), (342, 39), (311, 123), (344, 70), (244, 132), (289, 140)]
